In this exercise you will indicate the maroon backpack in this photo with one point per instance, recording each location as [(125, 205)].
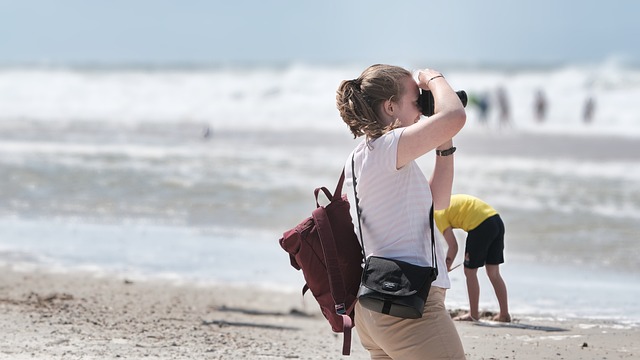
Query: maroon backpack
[(325, 247)]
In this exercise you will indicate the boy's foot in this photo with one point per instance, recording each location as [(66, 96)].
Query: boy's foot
[(465, 317), (500, 318)]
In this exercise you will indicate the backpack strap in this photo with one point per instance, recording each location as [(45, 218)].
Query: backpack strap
[(355, 194), (336, 285), (326, 193), (325, 233), (330, 251), (337, 193), (347, 325), (433, 241)]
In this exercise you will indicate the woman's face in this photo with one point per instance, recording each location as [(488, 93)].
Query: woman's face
[(408, 111)]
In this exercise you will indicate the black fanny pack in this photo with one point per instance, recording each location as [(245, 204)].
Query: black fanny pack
[(395, 287)]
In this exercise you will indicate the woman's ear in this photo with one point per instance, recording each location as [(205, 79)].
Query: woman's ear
[(388, 107)]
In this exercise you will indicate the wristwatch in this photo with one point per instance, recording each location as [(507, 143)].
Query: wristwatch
[(446, 152)]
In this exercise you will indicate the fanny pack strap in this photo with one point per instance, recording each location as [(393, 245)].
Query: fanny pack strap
[(355, 193)]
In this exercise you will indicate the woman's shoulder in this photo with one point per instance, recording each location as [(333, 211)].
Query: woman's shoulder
[(382, 152), (387, 140)]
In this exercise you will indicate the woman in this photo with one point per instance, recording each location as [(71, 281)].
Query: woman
[(395, 197)]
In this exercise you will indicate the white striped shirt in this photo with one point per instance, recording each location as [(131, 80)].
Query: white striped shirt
[(394, 205)]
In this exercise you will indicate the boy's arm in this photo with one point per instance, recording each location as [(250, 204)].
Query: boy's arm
[(452, 251)]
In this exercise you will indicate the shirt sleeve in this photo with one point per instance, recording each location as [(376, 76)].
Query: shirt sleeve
[(386, 149)]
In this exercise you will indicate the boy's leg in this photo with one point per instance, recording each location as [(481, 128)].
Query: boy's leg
[(473, 290), (495, 257), (493, 272), (475, 252)]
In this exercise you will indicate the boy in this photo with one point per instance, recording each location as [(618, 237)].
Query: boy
[(484, 245)]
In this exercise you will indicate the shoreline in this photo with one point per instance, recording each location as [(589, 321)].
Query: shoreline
[(550, 145), (83, 316)]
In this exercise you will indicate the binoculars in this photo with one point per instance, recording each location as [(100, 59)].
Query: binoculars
[(426, 101)]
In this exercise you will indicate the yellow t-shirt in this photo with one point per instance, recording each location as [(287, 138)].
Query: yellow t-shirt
[(465, 212)]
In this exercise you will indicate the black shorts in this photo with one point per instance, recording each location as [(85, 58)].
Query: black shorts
[(485, 244)]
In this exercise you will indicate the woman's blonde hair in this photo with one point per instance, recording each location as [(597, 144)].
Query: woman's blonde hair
[(360, 100)]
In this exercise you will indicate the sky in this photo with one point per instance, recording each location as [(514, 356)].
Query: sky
[(325, 31)]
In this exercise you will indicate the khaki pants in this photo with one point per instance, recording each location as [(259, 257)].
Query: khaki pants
[(434, 336)]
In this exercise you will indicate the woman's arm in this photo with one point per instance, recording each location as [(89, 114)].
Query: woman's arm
[(427, 134), (441, 181)]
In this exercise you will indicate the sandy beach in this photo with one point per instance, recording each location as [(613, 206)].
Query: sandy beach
[(85, 316)]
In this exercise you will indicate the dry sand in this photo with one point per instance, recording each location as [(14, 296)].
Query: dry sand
[(84, 316)]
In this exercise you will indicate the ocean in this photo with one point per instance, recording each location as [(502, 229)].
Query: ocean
[(193, 173)]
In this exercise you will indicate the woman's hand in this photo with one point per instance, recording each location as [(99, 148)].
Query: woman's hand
[(425, 76)]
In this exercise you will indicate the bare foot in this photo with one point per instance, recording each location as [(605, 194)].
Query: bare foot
[(500, 318), (465, 317)]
